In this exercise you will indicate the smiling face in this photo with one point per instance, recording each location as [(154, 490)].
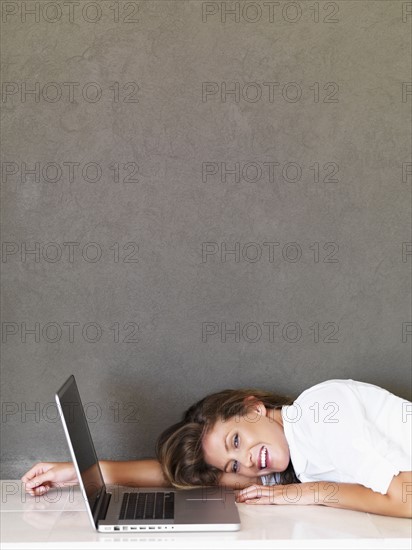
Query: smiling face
[(251, 445)]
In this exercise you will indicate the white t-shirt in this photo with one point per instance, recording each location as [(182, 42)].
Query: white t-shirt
[(348, 432)]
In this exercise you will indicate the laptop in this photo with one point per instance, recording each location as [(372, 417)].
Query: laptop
[(144, 509)]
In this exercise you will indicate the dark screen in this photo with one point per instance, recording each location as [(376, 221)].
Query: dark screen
[(81, 440)]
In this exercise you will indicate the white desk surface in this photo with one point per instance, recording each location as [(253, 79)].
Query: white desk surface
[(58, 520)]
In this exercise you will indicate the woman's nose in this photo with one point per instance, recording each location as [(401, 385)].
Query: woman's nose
[(247, 460)]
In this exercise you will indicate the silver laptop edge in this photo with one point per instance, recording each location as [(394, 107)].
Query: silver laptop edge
[(72, 453)]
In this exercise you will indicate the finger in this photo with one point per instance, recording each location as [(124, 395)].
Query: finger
[(38, 491), (39, 468), (251, 496), (250, 492), (39, 480), (41, 490), (29, 475), (262, 500)]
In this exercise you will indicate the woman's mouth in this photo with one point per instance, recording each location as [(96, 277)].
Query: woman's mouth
[(263, 458)]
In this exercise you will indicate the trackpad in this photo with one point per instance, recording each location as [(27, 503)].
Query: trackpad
[(212, 506), (204, 507)]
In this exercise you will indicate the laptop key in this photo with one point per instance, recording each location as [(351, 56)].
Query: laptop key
[(150, 502), (141, 503), (159, 505), (123, 506), (131, 506), (169, 506)]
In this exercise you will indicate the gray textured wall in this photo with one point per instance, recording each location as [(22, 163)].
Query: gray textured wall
[(319, 130)]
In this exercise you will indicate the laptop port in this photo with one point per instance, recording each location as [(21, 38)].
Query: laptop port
[(117, 528), (152, 527), (133, 528)]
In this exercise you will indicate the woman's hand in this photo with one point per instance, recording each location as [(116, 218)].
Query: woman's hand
[(45, 475), (274, 494)]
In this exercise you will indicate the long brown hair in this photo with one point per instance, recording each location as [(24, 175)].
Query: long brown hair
[(179, 447)]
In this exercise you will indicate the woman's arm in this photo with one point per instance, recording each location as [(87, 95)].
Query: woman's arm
[(135, 473), (396, 503), (149, 473), (46, 475), (237, 482)]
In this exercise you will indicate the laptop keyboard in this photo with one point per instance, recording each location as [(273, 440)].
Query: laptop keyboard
[(148, 506)]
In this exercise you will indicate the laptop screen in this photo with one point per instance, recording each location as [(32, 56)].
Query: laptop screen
[(81, 441)]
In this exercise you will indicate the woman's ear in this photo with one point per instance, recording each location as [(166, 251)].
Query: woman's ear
[(253, 404)]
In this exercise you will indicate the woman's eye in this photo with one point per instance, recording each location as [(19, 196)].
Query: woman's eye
[(235, 467), (236, 440)]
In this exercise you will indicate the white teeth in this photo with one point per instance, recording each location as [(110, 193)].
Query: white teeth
[(263, 457)]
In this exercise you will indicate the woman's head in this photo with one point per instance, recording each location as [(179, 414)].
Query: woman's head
[(233, 431)]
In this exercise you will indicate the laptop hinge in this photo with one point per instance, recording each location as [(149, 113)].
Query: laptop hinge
[(102, 506)]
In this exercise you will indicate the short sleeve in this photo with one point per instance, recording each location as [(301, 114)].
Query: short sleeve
[(356, 448)]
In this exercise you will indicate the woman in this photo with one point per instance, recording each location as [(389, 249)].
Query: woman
[(348, 443), (341, 443)]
